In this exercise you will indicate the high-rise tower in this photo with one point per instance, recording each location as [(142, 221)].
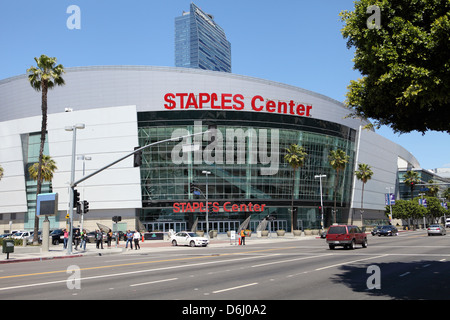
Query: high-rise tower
[(200, 42)]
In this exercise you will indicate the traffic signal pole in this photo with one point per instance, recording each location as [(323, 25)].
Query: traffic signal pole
[(74, 183)]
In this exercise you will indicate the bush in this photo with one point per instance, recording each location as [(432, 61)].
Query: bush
[(17, 242)]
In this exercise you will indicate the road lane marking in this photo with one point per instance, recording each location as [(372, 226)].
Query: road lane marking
[(404, 274), (283, 261), (128, 273), (234, 288), (349, 262), (152, 282), (146, 262)]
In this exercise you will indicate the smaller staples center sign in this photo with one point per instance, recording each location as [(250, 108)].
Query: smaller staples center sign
[(192, 207), (228, 101)]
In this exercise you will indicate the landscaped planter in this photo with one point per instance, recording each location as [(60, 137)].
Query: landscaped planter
[(213, 233), (264, 233), (297, 233), (281, 233)]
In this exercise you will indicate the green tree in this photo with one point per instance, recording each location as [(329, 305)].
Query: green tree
[(446, 194), (433, 189), (45, 76), (407, 209), (1, 172), (338, 160), (364, 174), (405, 64), (411, 178), (434, 210), (295, 157), (47, 169)]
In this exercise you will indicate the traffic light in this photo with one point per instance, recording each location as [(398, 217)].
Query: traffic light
[(85, 206), (78, 208), (116, 219), (137, 158), (76, 197)]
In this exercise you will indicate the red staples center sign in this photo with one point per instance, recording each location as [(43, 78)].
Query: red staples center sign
[(215, 207), (228, 101)]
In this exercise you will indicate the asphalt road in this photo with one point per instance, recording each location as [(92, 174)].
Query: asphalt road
[(409, 266)]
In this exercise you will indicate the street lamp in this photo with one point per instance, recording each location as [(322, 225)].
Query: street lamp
[(72, 179), (320, 176), (389, 202), (207, 208)]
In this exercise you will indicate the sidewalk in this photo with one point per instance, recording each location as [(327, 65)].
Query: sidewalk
[(34, 253)]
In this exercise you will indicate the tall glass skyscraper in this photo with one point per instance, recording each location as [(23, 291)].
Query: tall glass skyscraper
[(201, 43)]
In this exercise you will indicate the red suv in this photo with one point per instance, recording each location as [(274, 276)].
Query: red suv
[(347, 236)]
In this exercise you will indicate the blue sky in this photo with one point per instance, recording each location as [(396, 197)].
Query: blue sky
[(296, 42)]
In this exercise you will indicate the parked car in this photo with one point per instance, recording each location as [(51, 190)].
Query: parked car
[(436, 229), (347, 236), (31, 236), (57, 235), (22, 234), (388, 231), (90, 237), (188, 238), (375, 230)]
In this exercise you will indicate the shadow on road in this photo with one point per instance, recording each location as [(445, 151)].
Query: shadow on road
[(417, 280)]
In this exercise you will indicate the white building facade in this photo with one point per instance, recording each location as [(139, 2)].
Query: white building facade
[(123, 107)]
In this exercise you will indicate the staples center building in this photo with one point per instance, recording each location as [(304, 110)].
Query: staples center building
[(239, 165)]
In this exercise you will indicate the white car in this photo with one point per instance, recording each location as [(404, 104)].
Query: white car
[(22, 234), (187, 238), (447, 223)]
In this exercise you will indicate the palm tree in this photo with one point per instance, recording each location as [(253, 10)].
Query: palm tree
[(338, 160), (446, 194), (433, 189), (411, 178), (47, 169), (42, 78), (295, 157), (364, 174)]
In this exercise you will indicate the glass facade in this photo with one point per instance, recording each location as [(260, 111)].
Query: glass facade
[(200, 43), (30, 149), (236, 168)]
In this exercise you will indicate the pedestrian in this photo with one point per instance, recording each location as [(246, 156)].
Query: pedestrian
[(66, 238), (83, 240), (136, 237), (99, 239), (242, 237), (77, 238), (129, 240), (109, 238)]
